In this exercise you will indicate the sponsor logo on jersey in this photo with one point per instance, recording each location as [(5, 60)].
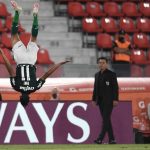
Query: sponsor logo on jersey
[(27, 88)]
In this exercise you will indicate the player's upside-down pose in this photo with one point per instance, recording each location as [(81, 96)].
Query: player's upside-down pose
[(24, 80)]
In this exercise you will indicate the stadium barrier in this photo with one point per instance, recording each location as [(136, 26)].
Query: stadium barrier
[(64, 122), (137, 90)]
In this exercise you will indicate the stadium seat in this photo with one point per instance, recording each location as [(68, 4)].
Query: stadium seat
[(130, 9), (127, 24), (6, 40), (136, 71), (8, 24), (112, 9), (141, 40), (103, 40), (109, 25), (8, 55), (43, 57), (3, 10), (138, 57), (25, 37), (147, 71), (39, 70), (145, 9), (143, 24), (3, 71), (2, 28), (90, 25), (75, 9), (148, 55), (94, 9)]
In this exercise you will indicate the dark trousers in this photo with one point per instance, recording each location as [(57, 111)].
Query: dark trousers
[(106, 110)]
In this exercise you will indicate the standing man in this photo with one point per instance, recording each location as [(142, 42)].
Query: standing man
[(105, 95)]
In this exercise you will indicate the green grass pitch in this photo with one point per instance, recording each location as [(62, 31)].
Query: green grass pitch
[(76, 147)]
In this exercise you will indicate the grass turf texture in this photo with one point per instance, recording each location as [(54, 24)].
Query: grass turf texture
[(76, 147)]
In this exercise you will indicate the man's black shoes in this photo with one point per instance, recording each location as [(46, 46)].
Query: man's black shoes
[(112, 142), (97, 141)]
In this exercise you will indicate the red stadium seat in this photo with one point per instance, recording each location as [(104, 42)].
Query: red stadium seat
[(8, 24), (3, 71), (39, 70), (8, 55), (143, 24), (109, 25), (2, 28), (6, 40), (127, 24), (90, 25), (25, 37), (138, 57), (112, 9), (43, 57), (130, 9), (145, 9), (103, 40), (3, 10), (94, 9), (136, 71), (141, 40), (75, 9), (148, 55), (147, 71)]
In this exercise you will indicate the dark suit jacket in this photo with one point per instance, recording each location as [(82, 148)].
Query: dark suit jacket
[(107, 89)]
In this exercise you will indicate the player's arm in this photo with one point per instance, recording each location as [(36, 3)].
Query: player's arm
[(7, 64), (52, 69)]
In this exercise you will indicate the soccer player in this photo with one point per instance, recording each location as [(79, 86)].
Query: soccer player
[(24, 80)]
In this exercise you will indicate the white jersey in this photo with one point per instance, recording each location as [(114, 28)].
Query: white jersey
[(25, 55)]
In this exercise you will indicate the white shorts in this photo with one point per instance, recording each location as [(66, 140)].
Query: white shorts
[(25, 55)]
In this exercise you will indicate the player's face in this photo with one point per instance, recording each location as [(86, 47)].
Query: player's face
[(102, 64)]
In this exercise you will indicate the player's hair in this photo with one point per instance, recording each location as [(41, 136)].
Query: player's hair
[(54, 95), (24, 99)]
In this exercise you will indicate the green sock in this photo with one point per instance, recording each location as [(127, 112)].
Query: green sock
[(35, 26), (14, 29)]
